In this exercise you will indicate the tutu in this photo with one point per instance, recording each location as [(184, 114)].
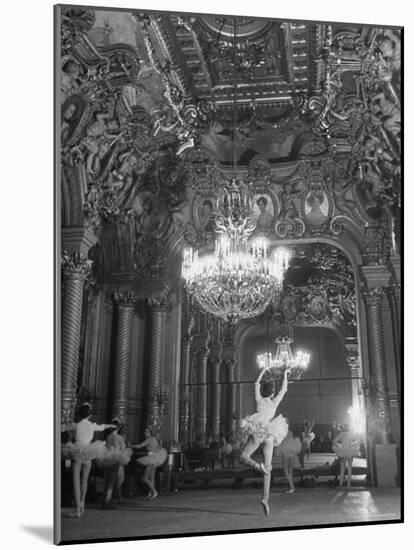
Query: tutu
[(260, 428), (346, 450), (225, 449), (156, 458), (307, 439), (290, 446), (83, 453), (114, 456)]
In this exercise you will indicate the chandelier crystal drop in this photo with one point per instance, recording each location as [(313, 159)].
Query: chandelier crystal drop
[(240, 278), (284, 359)]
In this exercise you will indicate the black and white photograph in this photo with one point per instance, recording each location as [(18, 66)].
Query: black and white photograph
[(254, 384)]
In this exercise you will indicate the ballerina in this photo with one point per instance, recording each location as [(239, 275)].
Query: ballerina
[(156, 457), (116, 457), (345, 445), (82, 452), (290, 447), (263, 427), (307, 437)]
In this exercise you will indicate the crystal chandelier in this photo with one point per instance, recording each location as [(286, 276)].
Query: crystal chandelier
[(241, 277), (284, 359)]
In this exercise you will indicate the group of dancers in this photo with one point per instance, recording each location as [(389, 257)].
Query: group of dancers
[(263, 428), (112, 455)]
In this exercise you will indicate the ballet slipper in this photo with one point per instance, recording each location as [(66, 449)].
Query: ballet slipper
[(289, 491), (266, 508), (76, 514), (154, 495), (263, 469)]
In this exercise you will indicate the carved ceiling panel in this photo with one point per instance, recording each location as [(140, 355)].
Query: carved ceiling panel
[(156, 108)]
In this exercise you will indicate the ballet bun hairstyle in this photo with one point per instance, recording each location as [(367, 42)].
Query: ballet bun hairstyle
[(85, 410), (267, 388)]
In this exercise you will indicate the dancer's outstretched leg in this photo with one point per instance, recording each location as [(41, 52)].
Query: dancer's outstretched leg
[(251, 445)]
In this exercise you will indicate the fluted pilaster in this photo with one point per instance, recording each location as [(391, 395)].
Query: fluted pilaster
[(125, 304), (158, 309), (215, 416), (373, 299), (231, 395), (185, 391), (352, 361), (201, 417), (75, 269)]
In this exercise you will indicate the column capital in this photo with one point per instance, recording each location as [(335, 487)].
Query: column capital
[(124, 299), (75, 266), (159, 303), (186, 340), (376, 275), (373, 296), (78, 240), (204, 352)]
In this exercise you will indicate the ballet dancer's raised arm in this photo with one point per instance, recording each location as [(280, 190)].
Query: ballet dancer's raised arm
[(257, 393), (278, 398)]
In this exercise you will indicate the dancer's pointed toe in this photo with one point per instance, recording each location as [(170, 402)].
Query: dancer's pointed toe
[(266, 508)]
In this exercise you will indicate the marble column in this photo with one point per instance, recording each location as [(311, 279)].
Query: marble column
[(75, 269), (125, 304), (231, 396), (201, 400), (215, 416), (158, 311), (185, 391), (373, 298)]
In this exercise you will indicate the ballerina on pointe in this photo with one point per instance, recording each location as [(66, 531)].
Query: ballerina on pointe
[(263, 427)]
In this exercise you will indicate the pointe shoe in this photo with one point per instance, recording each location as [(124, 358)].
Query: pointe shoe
[(76, 514), (82, 507), (154, 495), (266, 508), (289, 491), (263, 469)]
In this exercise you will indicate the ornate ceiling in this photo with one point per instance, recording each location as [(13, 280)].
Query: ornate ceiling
[(157, 108)]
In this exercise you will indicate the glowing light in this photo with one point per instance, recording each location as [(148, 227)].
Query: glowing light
[(241, 277), (284, 359)]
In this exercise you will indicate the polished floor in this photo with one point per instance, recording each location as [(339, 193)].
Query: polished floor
[(222, 509)]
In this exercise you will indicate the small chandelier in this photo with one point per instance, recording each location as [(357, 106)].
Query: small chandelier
[(241, 277), (284, 359)]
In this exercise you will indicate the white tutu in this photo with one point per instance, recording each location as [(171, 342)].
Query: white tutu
[(83, 453), (114, 456), (259, 427), (307, 440), (156, 458), (346, 450), (290, 446)]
